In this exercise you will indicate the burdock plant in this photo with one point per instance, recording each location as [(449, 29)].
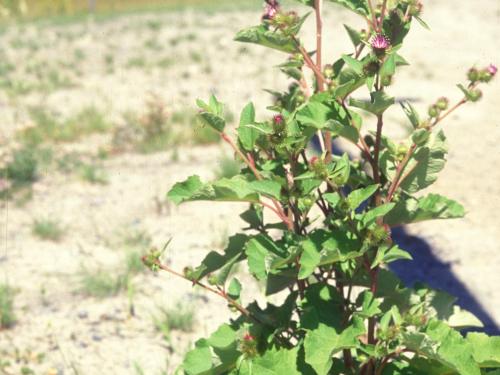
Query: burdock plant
[(318, 227)]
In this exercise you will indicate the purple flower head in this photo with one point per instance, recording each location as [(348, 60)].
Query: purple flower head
[(278, 119), (271, 9), (380, 42), (492, 69)]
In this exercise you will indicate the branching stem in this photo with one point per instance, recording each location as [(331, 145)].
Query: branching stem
[(218, 292), (277, 207)]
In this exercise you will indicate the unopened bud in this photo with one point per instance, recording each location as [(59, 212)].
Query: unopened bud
[(328, 71), (475, 95), (212, 279), (278, 120), (248, 337), (433, 111), (442, 103), (386, 80), (473, 74)]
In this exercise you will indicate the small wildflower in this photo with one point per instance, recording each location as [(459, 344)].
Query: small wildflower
[(248, 337), (271, 9), (380, 44), (492, 69), (248, 345), (278, 119)]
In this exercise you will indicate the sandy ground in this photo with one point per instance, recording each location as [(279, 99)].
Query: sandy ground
[(83, 335)]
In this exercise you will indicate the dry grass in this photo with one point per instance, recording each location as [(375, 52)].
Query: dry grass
[(49, 8)]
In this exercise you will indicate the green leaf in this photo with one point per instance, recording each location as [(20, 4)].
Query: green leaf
[(323, 342), (267, 187), (423, 167), (356, 65), (388, 254), (420, 136), (354, 35), (199, 360), (430, 207), (485, 349), (211, 114), (248, 135), (234, 289), (215, 261), (309, 259), (453, 350), (190, 189), (333, 199), (261, 251), (267, 38), (272, 362), (349, 81), (467, 93), (422, 22), (314, 114), (369, 217), (346, 131), (380, 101), (357, 6), (356, 197), (369, 305), (388, 67), (253, 217), (411, 113), (224, 337), (396, 28), (461, 319), (341, 170), (236, 188), (335, 246)]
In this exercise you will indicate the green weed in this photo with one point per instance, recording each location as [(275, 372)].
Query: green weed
[(23, 167), (180, 318), (49, 128), (48, 229), (94, 174), (102, 283), (136, 62), (7, 317)]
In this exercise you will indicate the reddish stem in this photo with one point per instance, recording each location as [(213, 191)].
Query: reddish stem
[(399, 171), (220, 293)]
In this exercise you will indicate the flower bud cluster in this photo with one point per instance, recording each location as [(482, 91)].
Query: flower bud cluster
[(271, 9), (318, 166), (279, 129), (248, 345), (275, 17), (440, 105), (484, 75)]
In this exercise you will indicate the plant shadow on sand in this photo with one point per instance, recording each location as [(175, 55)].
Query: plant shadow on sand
[(428, 268)]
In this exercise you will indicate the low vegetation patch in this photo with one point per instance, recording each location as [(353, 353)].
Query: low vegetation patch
[(48, 229), (7, 317)]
